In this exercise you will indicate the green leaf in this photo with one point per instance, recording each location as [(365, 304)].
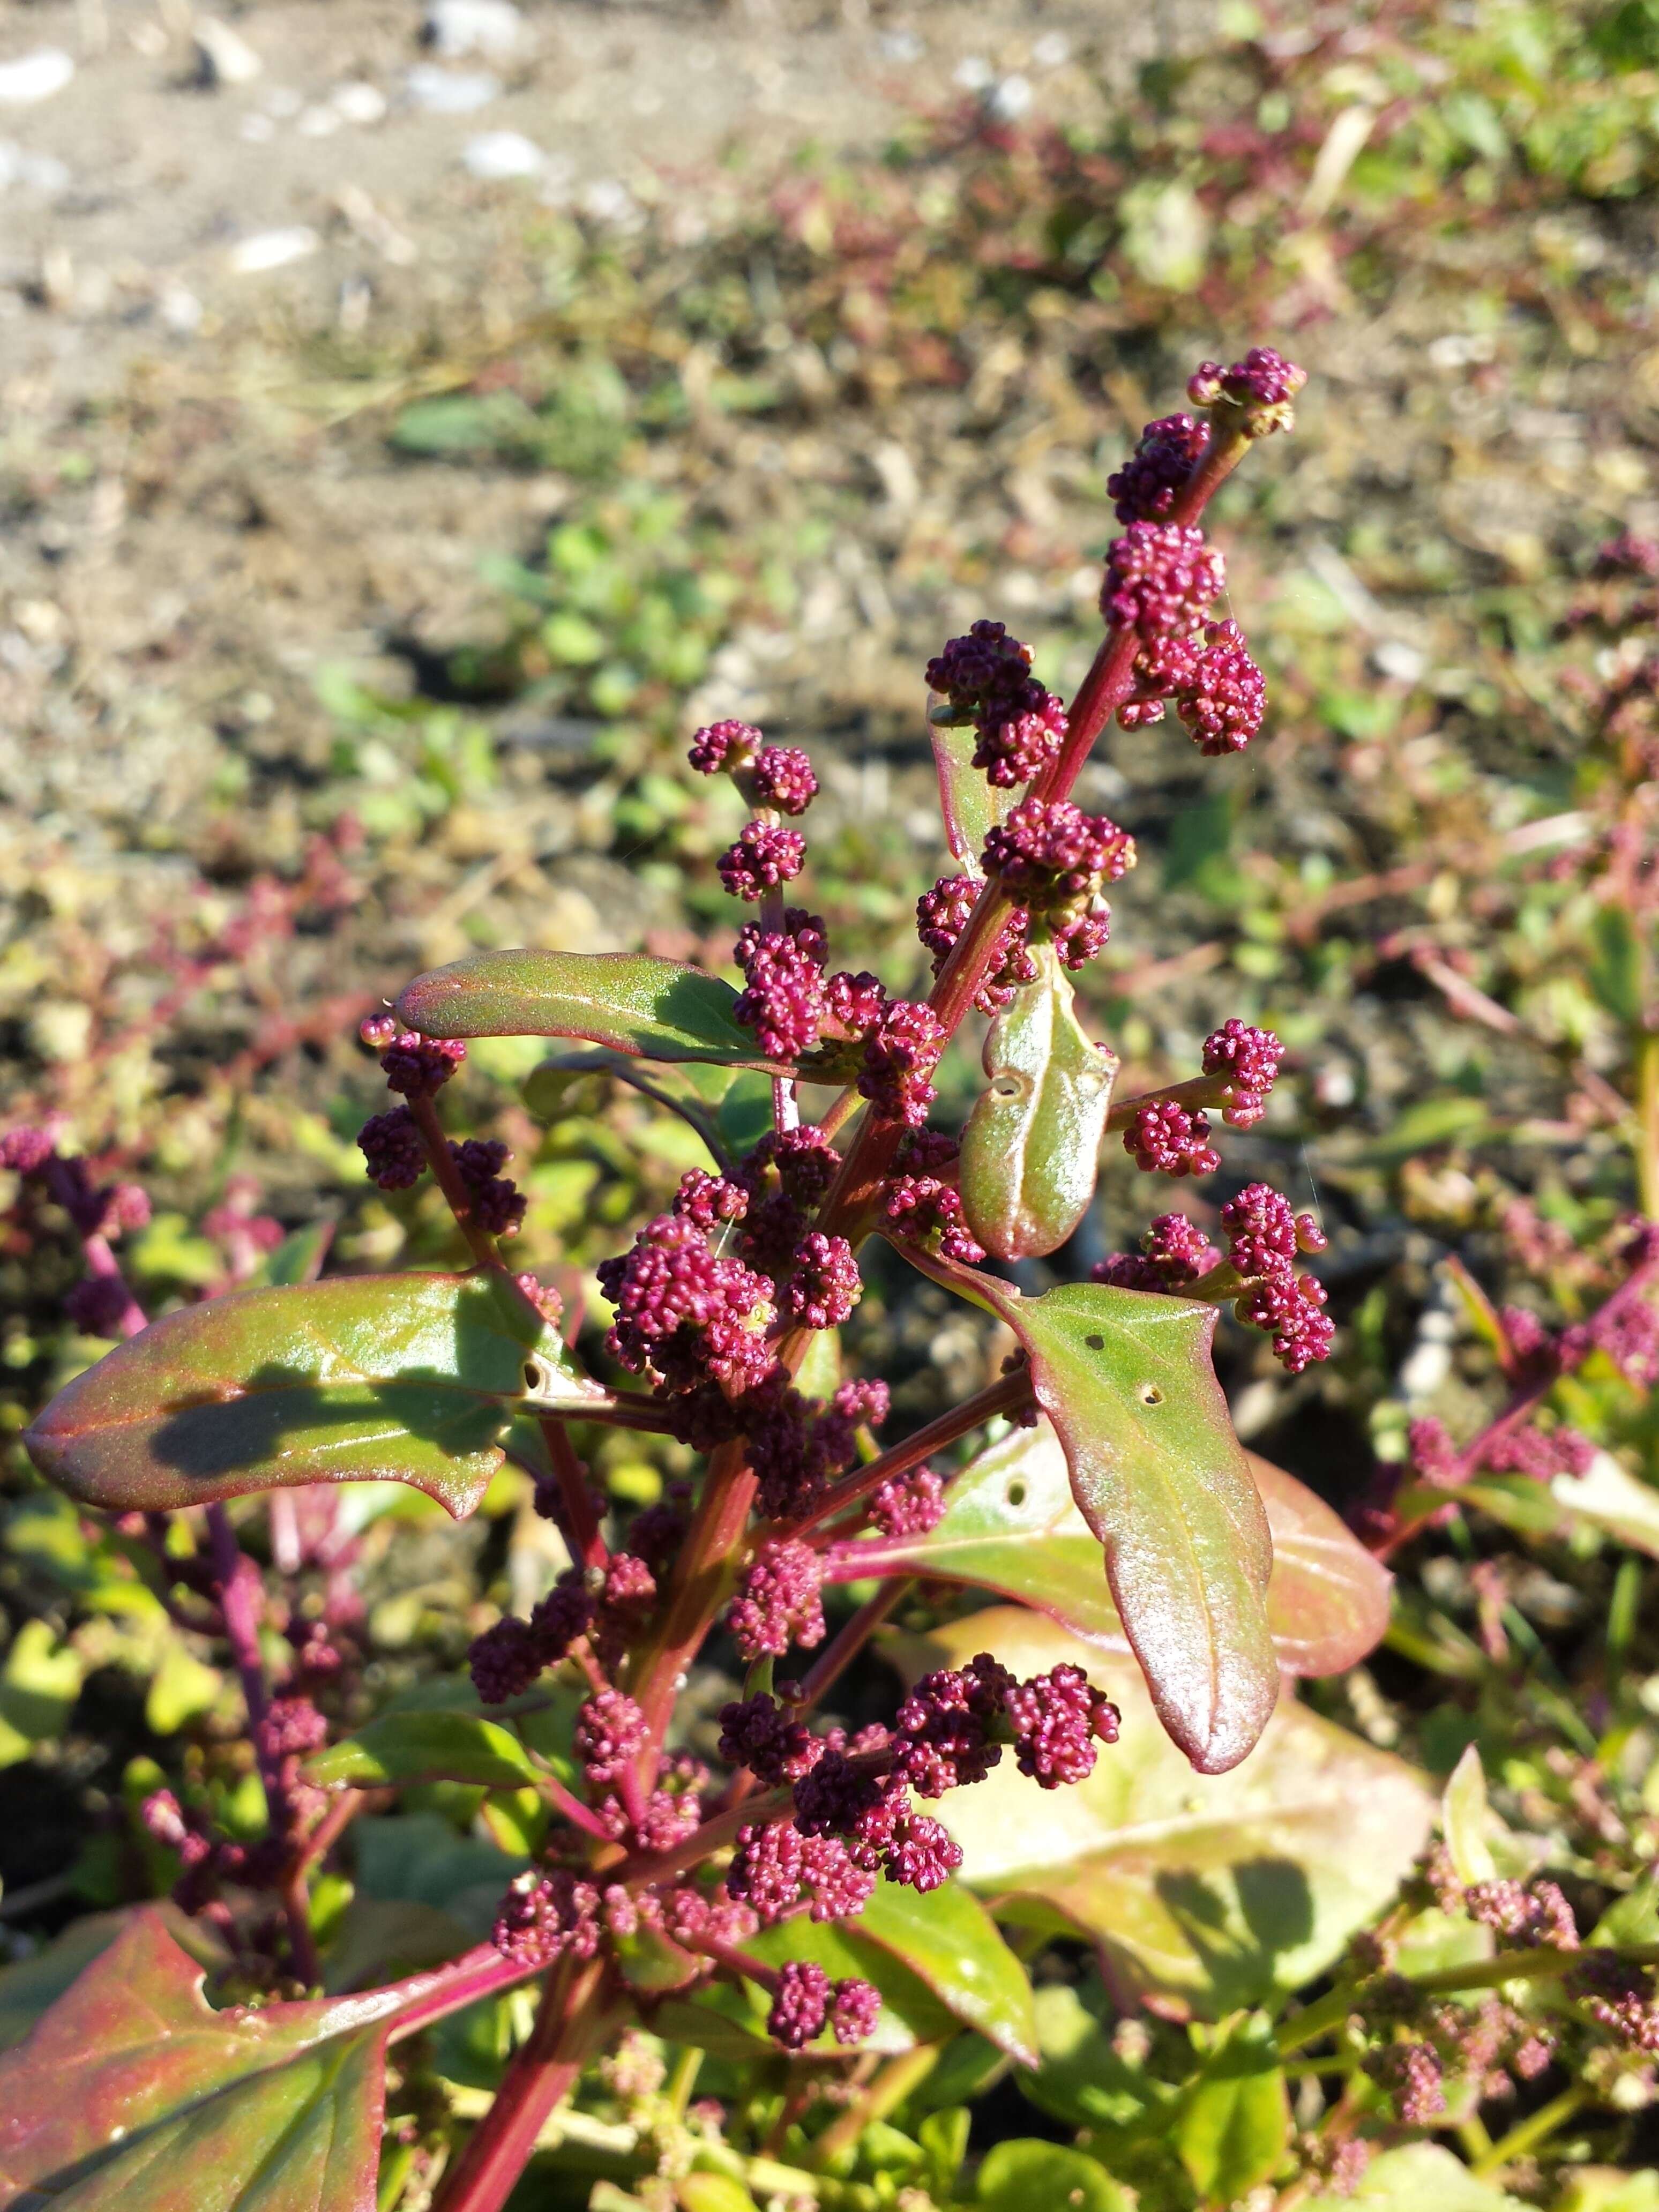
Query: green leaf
[(746, 1111), (1616, 968), (1024, 2176), (1083, 2080), (1465, 1816), (181, 1687), (948, 1939), (31, 1986), (944, 2137), (1226, 1891), (431, 1746), (39, 1686), (405, 1378), (277, 2110), (1236, 2118), (299, 1258), (970, 806), (632, 1003), (1159, 1476), (1418, 2177), (1011, 1524), (1031, 1148)]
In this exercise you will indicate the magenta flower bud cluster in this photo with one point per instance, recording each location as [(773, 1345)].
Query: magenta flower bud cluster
[(1264, 1237), (1261, 387)]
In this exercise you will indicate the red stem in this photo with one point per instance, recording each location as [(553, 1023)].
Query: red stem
[(581, 1518), (447, 1176), (850, 1639), (1005, 1395), (571, 2021)]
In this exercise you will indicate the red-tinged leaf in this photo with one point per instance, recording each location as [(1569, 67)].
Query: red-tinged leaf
[(404, 1378), (131, 2094), (1161, 1479), (1012, 1525), (1219, 1891), (1031, 1148), (970, 806), (631, 1002)]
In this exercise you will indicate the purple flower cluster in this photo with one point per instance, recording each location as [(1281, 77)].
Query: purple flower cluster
[(909, 1504), (1056, 1718), (393, 1152), (985, 679), (1165, 1138), (610, 1735), (783, 999), (548, 1916), (1218, 691), (900, 1055), (1249, 1058), (1173, 1251), (1146, 487), (777, 1602), (1264, 1237), (766, 854), (824, 1286), (495, 1202), (1053, 858), (779, 776), (1161, 578), (724, 747), (507, 1658), (928, 1209), (774, 1868), (807, 2002), (942, 913), (1261, 387), (684, 1313), (414, 1064)]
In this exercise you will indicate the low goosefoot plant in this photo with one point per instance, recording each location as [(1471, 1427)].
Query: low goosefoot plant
[(651, 1880)]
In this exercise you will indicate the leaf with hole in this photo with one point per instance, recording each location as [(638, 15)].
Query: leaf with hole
[(1012, 1525), (631, 1002), (404, 1378), (1161, 1480), (1031, 1147), (404, 1748), (1222, 1891), (277, 2110)]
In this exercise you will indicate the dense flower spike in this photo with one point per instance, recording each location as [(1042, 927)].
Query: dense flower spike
[(939, 1733), (824, 1286), (709, 1200), (610, 1733), (930, 1211), (854, 2011), (1145, 487), (909, 1504), (985, 666), (942, 913), (683, 1312), (1018, 743), (1053, 858), (899, 1056), (1167, 1139), (801, 2007), (547, 1916), (724, 746), (1056, 1718), (497, 1204), (780, 776), (1261, 387), (765, 855), (1161, 578), (394, 1154), (1173, 1251), (784, 1000), (759, 1733), (777, 1602), (418, 1066), (1225, 697), (1249, 1058)]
